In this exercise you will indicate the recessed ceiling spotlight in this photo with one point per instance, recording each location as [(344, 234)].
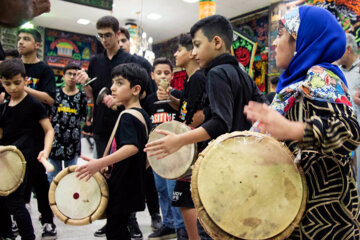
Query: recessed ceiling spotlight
[(191, 1), (83, 21), (154, 16)]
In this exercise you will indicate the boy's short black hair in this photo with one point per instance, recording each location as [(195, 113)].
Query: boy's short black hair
[(124, 31), (133, 72), (215, 25), (185, 40), (12, 67), (163, 60), (108, 22), (12, 52), (71, 66), (35, 33)]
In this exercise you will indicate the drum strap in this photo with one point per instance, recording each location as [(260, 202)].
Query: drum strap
[(133, 112)]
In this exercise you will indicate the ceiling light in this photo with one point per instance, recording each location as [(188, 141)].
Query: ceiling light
[(154, 16), (191, 1), (83, 21), (27, 25), (151, 40)]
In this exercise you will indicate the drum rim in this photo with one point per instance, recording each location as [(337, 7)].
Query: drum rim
[(4, 193), (194, 152), (86, 220), (209, 225)]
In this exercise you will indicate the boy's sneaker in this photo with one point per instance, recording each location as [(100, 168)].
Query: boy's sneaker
[(156, 222), (163, 233), (49, 231), (182, 234), (135, 232), (101, 232)]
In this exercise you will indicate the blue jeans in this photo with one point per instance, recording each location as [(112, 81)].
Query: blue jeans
[(58, 166), (171, 215)]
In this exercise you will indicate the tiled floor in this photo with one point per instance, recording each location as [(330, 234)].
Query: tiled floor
[(68, 232)]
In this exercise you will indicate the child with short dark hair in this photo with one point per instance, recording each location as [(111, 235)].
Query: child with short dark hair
[(190, 112), (126, 183), (227, 90), (163, 112), (67, 113), (16, 131), (41, 85)]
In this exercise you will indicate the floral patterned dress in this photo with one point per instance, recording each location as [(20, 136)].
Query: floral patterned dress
[(331, 134)]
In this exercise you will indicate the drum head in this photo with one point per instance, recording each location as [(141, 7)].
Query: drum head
[(249, 186), (76, 201), (12, 169), (177, 164), (76, 198)]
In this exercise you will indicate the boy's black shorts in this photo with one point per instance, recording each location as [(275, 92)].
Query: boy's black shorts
[(182, 195)]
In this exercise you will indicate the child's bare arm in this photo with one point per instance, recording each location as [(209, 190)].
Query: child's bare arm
[(41, 96), (48, 139), (94, 165)]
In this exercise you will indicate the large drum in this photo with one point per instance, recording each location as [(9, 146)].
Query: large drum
[(245, 185), (178, 164), (12, 169), (75, 201)]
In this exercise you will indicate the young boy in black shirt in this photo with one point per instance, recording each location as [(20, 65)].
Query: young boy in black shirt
[(67, 114), (190, 112), (227, 90), (126, 183), (41, 85), (163, 112), (16, 131)]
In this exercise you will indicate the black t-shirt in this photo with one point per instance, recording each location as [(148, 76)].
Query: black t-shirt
[(41, 77), (127, 181), (67, 113), (160, 113), (18, 124), (191, 98), (101, 67)]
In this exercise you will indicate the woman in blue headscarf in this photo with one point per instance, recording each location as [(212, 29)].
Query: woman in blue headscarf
[(312, 113)]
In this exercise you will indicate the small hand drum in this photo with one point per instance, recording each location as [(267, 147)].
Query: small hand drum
[(178, 164), (77, 202), (245, 185), (12, 169)]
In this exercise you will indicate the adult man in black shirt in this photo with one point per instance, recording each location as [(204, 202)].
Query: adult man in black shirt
[(40, 85), (100, 66)]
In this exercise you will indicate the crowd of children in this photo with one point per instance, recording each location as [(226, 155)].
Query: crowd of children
[(218, 97)]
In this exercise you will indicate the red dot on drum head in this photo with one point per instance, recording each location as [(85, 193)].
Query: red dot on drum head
[(76, 195)]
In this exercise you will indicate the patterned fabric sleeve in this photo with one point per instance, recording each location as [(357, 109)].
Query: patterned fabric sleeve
[(331, 126), (338, 134)]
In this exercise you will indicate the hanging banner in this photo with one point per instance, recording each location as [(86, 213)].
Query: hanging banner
[(206, 8), (62, 48), (244, 49), (103, 4)]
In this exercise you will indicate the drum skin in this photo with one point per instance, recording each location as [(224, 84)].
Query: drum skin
[(12, 169), (245, 185), (78, 202), (178, 164)]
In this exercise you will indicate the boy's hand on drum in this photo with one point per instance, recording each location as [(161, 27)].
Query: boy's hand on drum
[(164, 146), (273, 122), (89, 169)]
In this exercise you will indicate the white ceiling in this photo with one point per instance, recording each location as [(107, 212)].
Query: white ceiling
[(177, 15)]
